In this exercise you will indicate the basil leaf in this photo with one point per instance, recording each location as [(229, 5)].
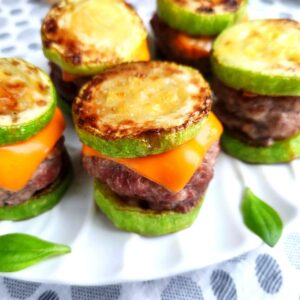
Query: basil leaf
[(19, 251), (261, 218)]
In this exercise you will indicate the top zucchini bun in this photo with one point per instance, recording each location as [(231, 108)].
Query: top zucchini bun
[(185, 29), (35, 170), (151, 142), (257, 83), (83, 37)]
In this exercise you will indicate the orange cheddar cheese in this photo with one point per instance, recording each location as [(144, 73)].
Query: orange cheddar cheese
[(20, 161), (172, 169), (69, 77), (141, 54)]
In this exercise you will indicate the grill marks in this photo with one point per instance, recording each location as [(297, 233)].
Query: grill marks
[(15, 94), (89, 115), (75, 48), (8, 98)]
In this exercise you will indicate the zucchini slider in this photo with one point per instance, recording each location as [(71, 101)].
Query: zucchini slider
[(151, 143), (35, 168), (184, 30), (257, 83), (83, 37)]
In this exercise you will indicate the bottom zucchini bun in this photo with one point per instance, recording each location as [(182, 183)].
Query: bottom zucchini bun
[(281, 151), (42, 193), (134, 218), (150, 142)]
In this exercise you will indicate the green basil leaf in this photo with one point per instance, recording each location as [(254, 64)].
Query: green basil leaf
[(261, 218), (19, 251)]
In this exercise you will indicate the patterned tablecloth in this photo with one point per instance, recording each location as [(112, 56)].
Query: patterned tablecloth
[(261, 274)]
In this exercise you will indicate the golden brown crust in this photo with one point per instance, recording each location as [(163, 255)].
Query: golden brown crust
[(210, 6), (262, 46), (75, 46), (24, 89), (137, 99)]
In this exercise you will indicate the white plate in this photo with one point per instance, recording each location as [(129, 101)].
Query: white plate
[(102, 255)]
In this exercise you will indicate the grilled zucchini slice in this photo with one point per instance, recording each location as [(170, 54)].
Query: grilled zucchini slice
[(44, 200), (86, 36), (138, 109), (280, 152), (142, 221), (260, 56), (27, 100), (201, 17)]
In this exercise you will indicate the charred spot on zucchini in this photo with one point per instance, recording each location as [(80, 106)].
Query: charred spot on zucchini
[(27, 100), (201, 17), (138, 103), (86, 36), (260, 56), (214, 6), (143, 221)]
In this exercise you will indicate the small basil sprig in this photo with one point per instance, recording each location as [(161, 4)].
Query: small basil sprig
[(19, 251), (261, 218)]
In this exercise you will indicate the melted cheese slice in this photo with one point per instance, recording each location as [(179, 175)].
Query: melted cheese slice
[(172, 169), (20, 161)]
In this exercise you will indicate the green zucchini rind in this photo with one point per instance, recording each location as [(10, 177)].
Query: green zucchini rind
[(141, 109), (135, 219), (44, 200), (195, 18), (138, 146), (85, 37), (27, 100), (280, 152), (260, 56)]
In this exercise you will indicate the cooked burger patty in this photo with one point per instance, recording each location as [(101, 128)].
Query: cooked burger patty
[(256, 119), (132, 187), (180, 47), (46, 174), (66, 90)]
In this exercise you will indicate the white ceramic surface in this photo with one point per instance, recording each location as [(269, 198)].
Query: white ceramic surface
[(101, 254)]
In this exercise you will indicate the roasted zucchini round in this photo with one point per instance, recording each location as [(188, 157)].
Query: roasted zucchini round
[(201, 17), (134, 219), (139, 109), (281, 151), (86, 36), (260, 56), (27, 100)]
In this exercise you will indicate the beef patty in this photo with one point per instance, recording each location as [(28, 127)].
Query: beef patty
[(177, 46), (46, 174), (257, 119), (66, 90), (132, 187)]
